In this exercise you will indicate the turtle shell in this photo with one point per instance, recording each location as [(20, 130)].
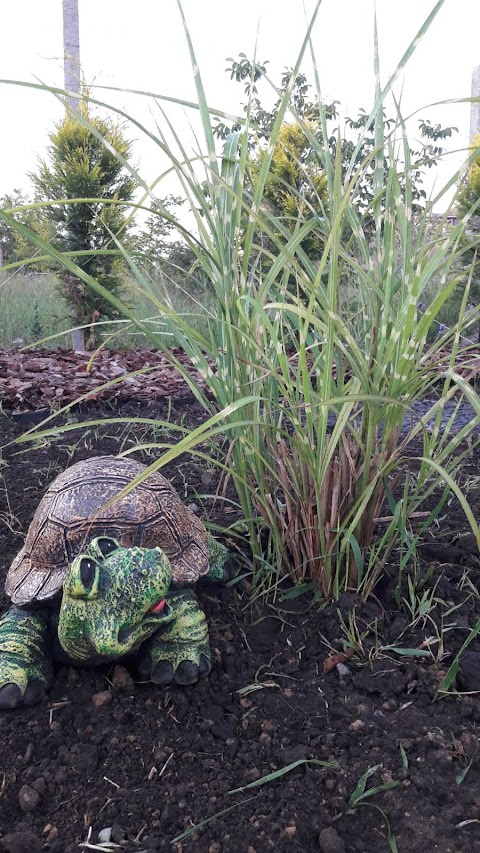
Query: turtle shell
[(73, 512)]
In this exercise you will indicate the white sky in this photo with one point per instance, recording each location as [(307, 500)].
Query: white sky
[(141, 45)]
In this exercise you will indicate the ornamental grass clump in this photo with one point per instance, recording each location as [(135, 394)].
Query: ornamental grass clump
[(315, 390)]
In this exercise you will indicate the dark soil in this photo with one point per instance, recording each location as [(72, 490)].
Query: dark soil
[(104, 750)]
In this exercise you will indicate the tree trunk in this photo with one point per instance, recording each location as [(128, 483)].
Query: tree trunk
[(71, 73)]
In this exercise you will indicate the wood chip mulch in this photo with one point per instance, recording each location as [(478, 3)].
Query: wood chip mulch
[(48, 379), (39, 379)]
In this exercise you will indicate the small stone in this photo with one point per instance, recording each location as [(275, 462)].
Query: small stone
[(52, 835), (20, 842), (344, 673), (330, 841), (102, 698), (28, 753), (28, 798), (252, 775), (61, 776), (105, 835), (122, 680), (290, 831), (40, 785), (214, 848), (118, 834), (356, 726)]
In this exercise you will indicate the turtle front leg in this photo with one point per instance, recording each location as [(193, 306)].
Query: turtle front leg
[(25, 660), (221, 566), (179, 652)]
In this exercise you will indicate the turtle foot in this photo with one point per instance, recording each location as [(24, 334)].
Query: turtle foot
[(11, 695), (180, 654), (25, 665), (174, 666), (187, 672)]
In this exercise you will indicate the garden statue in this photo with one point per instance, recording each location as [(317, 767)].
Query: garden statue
[(100, 579)]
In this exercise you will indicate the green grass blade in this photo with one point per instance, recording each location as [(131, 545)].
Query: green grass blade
[(277, 774)]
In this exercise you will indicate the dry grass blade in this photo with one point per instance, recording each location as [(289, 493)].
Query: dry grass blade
[(313, 518)]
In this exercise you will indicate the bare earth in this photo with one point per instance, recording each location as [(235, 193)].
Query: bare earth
[(104, 750)]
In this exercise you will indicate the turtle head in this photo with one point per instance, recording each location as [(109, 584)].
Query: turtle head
[(113, 599)]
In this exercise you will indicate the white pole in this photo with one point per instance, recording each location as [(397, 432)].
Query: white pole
[(475, 108), (71, 74), (71, 50)]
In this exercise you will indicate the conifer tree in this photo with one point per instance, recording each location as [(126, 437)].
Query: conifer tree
[(80, 165)]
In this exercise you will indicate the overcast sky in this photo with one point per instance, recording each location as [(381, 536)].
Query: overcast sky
[(141, 45)]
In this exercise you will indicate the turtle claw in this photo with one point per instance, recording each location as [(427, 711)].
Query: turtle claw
[(163, 673), (10, 696), (35, 691), (187, 673)]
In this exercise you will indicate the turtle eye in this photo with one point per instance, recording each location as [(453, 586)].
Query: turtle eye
[(106, 546), (87, 573), (84, 578)]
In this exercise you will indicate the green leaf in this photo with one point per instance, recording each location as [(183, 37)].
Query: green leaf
[(208, 820), (461, 776), (414, 653), (451, 673), (360, 793), (270, 777)]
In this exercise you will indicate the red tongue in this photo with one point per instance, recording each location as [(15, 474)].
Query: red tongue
[(158, 607)]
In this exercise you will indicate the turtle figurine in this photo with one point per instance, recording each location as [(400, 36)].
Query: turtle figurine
[(104, 575)]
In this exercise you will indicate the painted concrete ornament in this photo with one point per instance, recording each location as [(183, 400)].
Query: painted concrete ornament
[(99, 580)]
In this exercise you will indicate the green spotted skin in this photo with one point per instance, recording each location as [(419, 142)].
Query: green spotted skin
[(107, 600), (217, 558), (115, 602)]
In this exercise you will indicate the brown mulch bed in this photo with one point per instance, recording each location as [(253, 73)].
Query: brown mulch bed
[(36, 379), (40, 379), (106, 751)]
